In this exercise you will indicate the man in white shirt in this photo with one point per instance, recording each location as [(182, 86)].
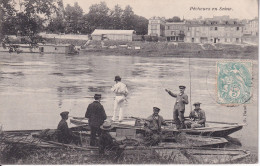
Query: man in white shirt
[(121, 92)]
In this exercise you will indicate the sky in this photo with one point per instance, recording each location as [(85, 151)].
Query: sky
[(241, 9)]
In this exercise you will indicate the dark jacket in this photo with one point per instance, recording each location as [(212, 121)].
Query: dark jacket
[(95, 114), (200, 116), (106, 141), (181, 100), (64, 133), (155, 124)]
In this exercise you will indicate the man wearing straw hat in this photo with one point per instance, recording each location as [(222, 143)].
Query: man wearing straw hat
[(96, 116), (179, 107), (197, 117), (108, 143), (121, 92)]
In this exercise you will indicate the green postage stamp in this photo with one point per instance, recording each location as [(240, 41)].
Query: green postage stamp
[(234, 82)]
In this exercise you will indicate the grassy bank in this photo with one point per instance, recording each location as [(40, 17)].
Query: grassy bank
[(164, 49), (26, 154), (24, 150)]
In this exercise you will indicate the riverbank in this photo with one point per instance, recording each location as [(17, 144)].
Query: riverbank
[(27, 154), (163, 49)]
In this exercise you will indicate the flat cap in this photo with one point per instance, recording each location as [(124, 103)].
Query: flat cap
[(182, 87), (156, 109), (97, 95), (64, 113)]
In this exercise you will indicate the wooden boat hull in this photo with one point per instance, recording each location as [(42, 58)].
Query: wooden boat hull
[(35, 137), (222, 132), (215, 129)]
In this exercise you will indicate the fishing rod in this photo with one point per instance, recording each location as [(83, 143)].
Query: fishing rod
[(190, 85)]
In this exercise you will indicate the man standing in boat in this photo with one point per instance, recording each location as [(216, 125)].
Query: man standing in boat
[(197, 116), (121, 92), (179, 107), (96, 116)]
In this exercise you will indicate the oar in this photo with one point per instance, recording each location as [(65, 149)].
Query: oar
[(78, 118), (92, 97), (73, 146)]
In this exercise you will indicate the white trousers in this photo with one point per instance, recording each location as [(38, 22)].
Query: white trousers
[(119, 105)]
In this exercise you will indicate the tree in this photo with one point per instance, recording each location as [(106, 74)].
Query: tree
[(128, 18), (73, 17), (56, 25), (31, 19), (98, 17), (140, 25), (7, 14), (39, 7), (116, 16), (27, 25), (174, 19)]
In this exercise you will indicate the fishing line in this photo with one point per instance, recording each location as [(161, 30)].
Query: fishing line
[(190, 85)]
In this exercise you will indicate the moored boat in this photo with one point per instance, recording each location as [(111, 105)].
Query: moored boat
[(40, 48), (41, 137), (215, 129)]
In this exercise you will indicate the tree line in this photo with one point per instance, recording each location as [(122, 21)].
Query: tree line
[(34, 16)]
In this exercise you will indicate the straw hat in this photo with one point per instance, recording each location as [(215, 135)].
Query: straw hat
[(106, 126)]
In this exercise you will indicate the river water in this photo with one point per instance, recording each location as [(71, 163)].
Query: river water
[(35, 88)]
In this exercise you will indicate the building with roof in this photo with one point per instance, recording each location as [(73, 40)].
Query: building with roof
[(251, 27), (156, 26), (174, 31), (219, 29), (213, 31), (108, 34)]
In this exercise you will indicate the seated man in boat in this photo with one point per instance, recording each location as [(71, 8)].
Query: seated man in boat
[(153, 127), (65, 135), (197, 117), (107, 142)]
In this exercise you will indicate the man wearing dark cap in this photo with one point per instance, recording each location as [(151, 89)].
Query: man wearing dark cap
[(179, 107), (153, 127), (197, 116), (65, 135), (96, 116), (121, 92)]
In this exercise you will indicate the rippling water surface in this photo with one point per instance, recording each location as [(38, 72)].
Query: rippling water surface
[(35, 88)]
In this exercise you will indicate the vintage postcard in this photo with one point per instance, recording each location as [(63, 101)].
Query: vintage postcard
[(129, 82)]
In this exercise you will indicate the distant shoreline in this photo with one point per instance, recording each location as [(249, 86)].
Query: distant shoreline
[(161, 49), (177, 54), (164, 49)]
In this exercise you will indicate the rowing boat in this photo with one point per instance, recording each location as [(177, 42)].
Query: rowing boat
[(215, 129), (42, 138)]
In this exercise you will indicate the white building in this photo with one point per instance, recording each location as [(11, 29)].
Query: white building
[(107, 34)]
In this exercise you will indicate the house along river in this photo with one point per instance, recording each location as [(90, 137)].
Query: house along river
[(35, 88)]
